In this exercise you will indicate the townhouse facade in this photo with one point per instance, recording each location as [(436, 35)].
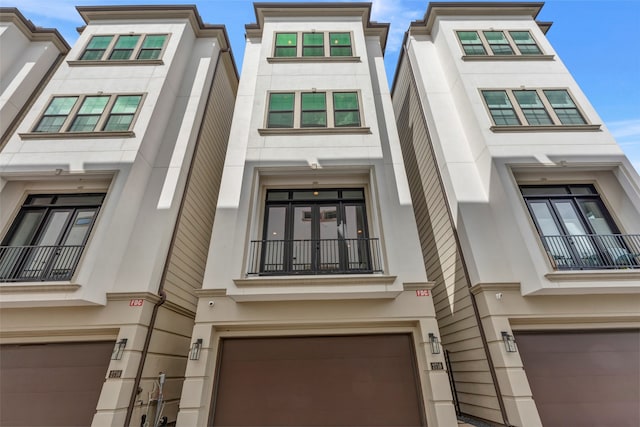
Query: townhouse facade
[(315, 306), (108, 188), (528, 214)]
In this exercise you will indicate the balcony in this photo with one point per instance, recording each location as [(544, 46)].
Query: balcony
[(594, 251), (38, 263), (317, 256)]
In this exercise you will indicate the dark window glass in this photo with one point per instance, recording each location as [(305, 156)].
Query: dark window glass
[(122, 113), (286, 45), (96, 48), (564, 107), (345, 109), (498, 43), (89, 113), (500, 108), (124, 47), (56, 114), (525, 43), (471, 43), (340, 44), (532, 107), (152, 46), (280, 110), (314, 110), (313, 44)]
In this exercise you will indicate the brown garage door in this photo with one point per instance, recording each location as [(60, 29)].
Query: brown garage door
[(584, 378), (51, 384), (318, 381)]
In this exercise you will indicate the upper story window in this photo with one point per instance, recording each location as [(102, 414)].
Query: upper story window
[(577, 230), (498, 43), (315, 231), (314, 110), (532, 107), (313, 45), (89, 113), (48, 236), (124, 47)]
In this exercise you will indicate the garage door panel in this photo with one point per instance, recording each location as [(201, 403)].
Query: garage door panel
[(54, 384), (324, 381), (587, 378)]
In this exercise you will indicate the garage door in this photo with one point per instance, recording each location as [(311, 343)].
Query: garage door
[(584, 378), (51, 384), (318, 381)]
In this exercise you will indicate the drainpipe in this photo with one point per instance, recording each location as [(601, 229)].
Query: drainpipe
[(161, 293)]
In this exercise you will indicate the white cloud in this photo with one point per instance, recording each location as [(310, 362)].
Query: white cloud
[(627, 134), (399, 13)]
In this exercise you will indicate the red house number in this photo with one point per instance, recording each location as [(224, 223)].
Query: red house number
[(136, 302), (422, 292)]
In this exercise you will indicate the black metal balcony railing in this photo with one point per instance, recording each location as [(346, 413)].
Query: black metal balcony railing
[(321, 256), (38, 263), (594, 251)]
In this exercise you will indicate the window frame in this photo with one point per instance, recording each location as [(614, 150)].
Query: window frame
[(330, 114), (133, 59), (488, 52), (326, 46), (524, 123), (65, 132)]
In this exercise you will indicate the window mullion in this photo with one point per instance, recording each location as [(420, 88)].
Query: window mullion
[(105, 113), (297, 109), (330, 109), (516, 107), (549, 107), (327, 44), (512, 43), (299, 44), (72, 114), (485, 43), (138, 46), (109, 48)]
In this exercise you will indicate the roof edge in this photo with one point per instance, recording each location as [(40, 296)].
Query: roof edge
[(33, 32)]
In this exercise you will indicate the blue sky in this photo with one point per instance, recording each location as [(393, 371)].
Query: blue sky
[(596, 39)]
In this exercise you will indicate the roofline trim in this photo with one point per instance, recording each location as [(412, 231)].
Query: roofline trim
[(33, 32)]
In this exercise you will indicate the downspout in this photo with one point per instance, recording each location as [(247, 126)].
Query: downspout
[(474, 304), (161, 293)]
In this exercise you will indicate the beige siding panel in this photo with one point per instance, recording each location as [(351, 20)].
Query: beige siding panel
[(459, 330)]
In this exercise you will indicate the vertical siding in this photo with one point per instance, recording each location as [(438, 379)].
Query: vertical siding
[(172, 330), (191, 244), (459, 330)]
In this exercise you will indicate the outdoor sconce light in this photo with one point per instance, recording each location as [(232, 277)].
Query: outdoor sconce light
[(118, 349), (509, 342), (194, 353), (435, 344)]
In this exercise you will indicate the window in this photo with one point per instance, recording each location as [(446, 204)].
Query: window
[(577, 230), (498, 43), (124, 47), (286, 44), (311, 231), (314, 45), (48, 236), (314, 109), (89, 113), (532, 107), (340, 44), (297, 110)]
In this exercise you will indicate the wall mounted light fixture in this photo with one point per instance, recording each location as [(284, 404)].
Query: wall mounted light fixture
[(194, 353), (509, 342), (434, 343), (118, 349)]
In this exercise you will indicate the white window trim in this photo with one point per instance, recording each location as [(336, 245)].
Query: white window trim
[(64, 130), (297, 115), (131, 61), (489, 55), (524, 127)]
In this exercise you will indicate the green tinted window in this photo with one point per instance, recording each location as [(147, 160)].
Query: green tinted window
[(340, 44), (286, 45), (96, 48), (122, 113), (89, 114), (314, 110), (124, 47), (56, 114), (346, 111), (498, 43), (471, 43), (500, 107), (525, 43), (313, 44), (532, 107), (564, 107), (280, 110), (152, 47)]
